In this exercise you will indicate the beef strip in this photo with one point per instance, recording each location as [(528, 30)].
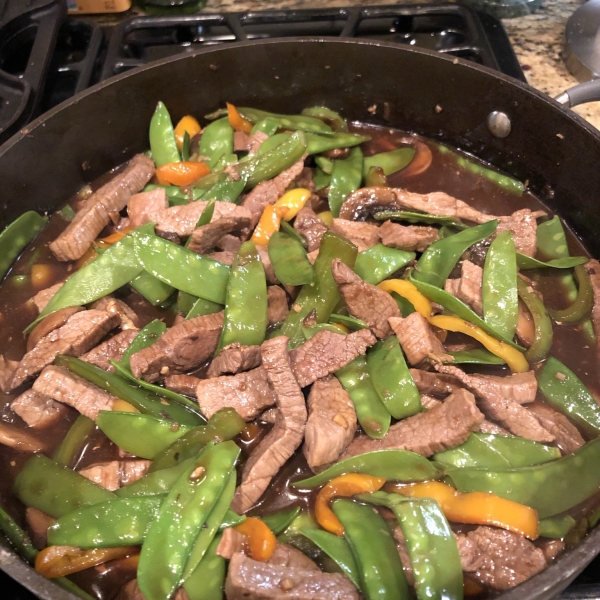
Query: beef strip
[(182, 384), (468, 287), (111, 349), (38, 523), (551, 548), (181, 348), (404, 556), (310, 227), (42, 298), (429, 402), (115, 474), (231, 243), (444, 426), (224, 257), (63, 386), (241, 141), (141, 206), (331, 423), (498, 558), (364, 300), (256, 141), (249, 393), (416, 337), (409, 237), (593, 269), (489, 427), (282, 441), (127, 316), (82, 331), (231, 542), (525, 325), (234, 359), (50, 323), (305, 180), (268, 267), (7, 369), (434, 383), (206, 237), (270, 415), (567, 436), (277, 304), (94, 215), (326, 352), (523, 225), (38, 410), (363, 235)]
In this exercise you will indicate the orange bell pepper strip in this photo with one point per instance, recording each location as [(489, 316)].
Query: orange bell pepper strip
[(58, 561), (261, 539), (344, 485), (181, 173), (236, 120), (186, 124), (477, 508), (113, 238)]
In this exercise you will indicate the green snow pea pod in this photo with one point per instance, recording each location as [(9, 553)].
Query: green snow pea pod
[(289, 260), (272, 142), (185, 302), (581, 309), (203, 307), (156, 483), (186, 151), (268, 126), (69, 449), (395, 465), (310, 332), (162, 137), (350, 322), (391, 162), (346, 177), (567, 262), (184, 512), (499, 288), (278, 522), (392, 379), (144, 339), (231, 519), (16, 236), (325, 164), (175, 195), (226, 190), (477, 356), (563, 390), (17, 537), (431, 545), (54, 489), (542, 323), (208, 580), (372, 414), (216, 140), (321, 143), (285, 227), (379, 262), (321, 179), (416, 217), (372, 545), (375, 177), (490, 451), (207, 182), (556, 527), (330, 117), (151, 288), (439, 259), (225, 161)]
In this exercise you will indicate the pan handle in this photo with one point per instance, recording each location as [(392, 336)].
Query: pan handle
[(580, 94)]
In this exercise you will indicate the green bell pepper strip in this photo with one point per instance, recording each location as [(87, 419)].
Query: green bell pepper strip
[(392, 379), (567, 262), (172, 534), (70, 448), (371, 412), (16, 236), (438, 260), (374, 550), (278, 522), (208, 580), (551, 488), (322, 295), (337, 549), (144, 339), (216, 140), (203, 307), (379, 262), (17, 537), (556, 527), (416, 217), (375, 177), (181, 268), (431, 545), (581, 309), (321, 179), (151, 288), (162, 137), (289, 260), (330, 117), (325, 164), (285, 227), (245, 319), (563, 390), (321, 143), (477, 356), (54, 489), (542, 323), (395, 465), (350, 322), (489, 451), (227, 190), (346, 177), (268, 126), (391, 162), (499, 297), (157, 483)]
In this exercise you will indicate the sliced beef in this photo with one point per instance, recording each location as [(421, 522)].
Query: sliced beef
[(223, 257), (567, 436), (111, 349), (181, 348), (256, 141), (44, 296), (82, 331), (115, 474), (249, 393), (489, 427), (96, 211), (416, 338), (409, 237), (270, 416), (310, 227), (231, 243), (268, 267), (498, 558), (365, 301), (552, 548), (444, 426), (404, 556), (525, 326), (468, 287), (206, 237), (141, 206), (127, 316), (234, 359), (365, 202), (7, 369), (38, 523), (241, 141), (49, 324), (38, 410), (231, 542), (286, 436), (277, 305), (434, 383), (182, 384), (20, 440), (363, 235), (331, 422), (523, 225), (429, 402), (64, 386), (305, 180), (593, 269), (326, 352)]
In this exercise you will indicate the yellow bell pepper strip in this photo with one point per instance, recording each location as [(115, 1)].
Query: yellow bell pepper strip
[(58, 561), (236, 120), (181, 173), (477, 508), (294, 201), (408, 290), (344, 485), (187, 125), (327, 217), (261, 540)]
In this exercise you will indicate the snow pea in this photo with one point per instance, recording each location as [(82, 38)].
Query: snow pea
[(186, 151), (322, 295), (346, 176), (54, 489), (162, 137), (203, 307), (271, 143), (144, 339), (285, 227), (278, 522), (321, 143), (567, 262), (216, 140), (156, 483), (499, 287), (416, 217), (395, 465), (491, 451), (371, 412), (17, 537), (477, 356), (372, 545), (325, 164), (289, 260), (208, 580), (151, 288), (321, 179), (350, 322), (391, 162), (431, 545), (226, 190), (69, 449), (225, 161), (379, 262), (563, 390), (267, 126), (581, 309), (175, 195), (310, 332), (392, 379), (551, 488), (556, 527), (330, 117), (542, 324), (172, 534), (375, 177), (440, 258), (16, 236)]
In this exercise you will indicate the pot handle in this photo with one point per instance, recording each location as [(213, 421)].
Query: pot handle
[(580, 94)]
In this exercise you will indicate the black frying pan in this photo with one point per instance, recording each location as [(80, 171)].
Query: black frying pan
[(553, 149)]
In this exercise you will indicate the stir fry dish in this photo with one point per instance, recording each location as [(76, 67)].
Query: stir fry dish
[(287, 356)]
